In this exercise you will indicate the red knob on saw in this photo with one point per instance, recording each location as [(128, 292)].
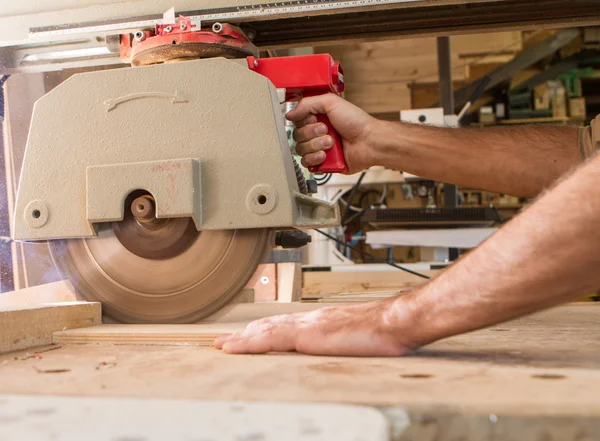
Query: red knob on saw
[(334, 157)]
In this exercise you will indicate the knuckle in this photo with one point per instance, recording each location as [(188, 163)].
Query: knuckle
[(296, 135), (313, 159), (315, 145)]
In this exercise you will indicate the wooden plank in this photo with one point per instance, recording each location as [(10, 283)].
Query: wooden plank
[(264, 283), (62, 291), (325, 283), (195, 334), (424, 95), (351, 296), (289, 282), (249, 312), (380, 97), (547, 364), (550, 120), (234, 319), (24, 327), (377, 74)]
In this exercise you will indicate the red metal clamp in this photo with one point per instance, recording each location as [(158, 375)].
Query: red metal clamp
[(303, 76)]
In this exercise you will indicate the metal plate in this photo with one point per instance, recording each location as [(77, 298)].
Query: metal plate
[(180, 289)]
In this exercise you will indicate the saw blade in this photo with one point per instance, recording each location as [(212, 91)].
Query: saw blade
[(181, 288)]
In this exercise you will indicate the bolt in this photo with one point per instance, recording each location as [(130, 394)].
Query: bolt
[(217, 28), (143, 208), (183, 26), (168, 29)]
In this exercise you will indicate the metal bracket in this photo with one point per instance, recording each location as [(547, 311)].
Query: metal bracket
[(174, 184)]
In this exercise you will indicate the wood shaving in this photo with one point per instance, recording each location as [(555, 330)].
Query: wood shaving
[(106, 364), (51, 371), (36, 354)]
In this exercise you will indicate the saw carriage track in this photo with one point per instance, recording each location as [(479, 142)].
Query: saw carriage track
[(433, 19)]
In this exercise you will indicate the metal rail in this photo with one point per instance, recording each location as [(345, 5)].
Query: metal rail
[(303, 23)]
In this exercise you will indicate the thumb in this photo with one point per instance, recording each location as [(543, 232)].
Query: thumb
[(313, 105)]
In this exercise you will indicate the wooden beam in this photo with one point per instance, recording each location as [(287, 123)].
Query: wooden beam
[(23, 327)]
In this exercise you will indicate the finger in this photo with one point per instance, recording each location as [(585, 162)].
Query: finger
[(313, 159), (220, 341), (311, 119), (314, 145), (313, 105), (282, 340), (309, 132)]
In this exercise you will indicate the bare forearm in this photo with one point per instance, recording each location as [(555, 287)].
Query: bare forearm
[(520, 161), (547, 255)]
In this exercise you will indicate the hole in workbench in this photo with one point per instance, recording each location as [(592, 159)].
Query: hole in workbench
[(416, 376), (548, 376), (36, 214), (262, 199)]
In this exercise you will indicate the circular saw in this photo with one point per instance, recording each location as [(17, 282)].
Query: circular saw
[(161, 187)]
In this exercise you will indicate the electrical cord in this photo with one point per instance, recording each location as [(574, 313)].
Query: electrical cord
[(352, 194), (3, 79), (368, 192), (335, 239), (324, 180)]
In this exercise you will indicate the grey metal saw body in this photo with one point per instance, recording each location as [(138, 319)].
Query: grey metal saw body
[(206, 138)]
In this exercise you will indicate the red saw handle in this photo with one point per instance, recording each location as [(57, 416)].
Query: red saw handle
[(334, 157)]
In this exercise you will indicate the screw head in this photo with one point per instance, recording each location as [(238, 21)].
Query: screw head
[(183, 26), (264, 280), (255, 62), (139, 36), (168, 29)]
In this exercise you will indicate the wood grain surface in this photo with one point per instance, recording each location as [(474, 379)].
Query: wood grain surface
[(545, 364)]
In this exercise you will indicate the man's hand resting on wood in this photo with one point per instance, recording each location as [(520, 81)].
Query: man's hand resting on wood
[(369, 329)]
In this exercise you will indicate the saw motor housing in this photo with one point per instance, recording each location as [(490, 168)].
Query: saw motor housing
[(206, 138)]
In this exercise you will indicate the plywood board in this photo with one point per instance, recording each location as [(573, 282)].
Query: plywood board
[(234, 319), (29, 326), (547, 364), (195, 334)]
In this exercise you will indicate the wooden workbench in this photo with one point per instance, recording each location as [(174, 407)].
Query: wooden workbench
[(537, 372)]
